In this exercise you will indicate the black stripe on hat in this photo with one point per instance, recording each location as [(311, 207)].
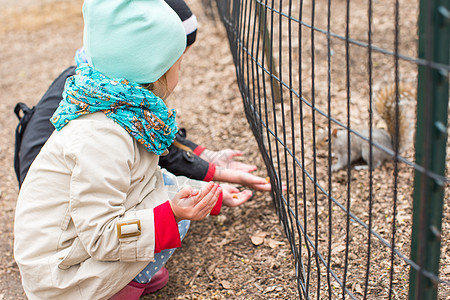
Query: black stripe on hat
[(187, 17)]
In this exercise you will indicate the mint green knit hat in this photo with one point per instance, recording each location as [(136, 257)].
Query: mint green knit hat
[(138, 40)]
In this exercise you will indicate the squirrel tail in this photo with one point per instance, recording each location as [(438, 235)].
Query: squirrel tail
[(385, 105)]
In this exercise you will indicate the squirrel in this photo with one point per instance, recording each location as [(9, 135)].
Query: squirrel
[(385, 106)]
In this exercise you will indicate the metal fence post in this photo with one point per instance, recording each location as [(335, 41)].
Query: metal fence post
[(268, 49), (430, 145)]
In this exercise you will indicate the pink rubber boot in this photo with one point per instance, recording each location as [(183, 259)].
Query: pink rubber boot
[(158, 281), (132, 291)]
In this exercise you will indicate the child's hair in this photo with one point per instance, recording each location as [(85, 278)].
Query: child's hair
[(159, 87)]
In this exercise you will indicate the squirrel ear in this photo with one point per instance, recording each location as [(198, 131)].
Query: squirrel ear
[(334, 133)]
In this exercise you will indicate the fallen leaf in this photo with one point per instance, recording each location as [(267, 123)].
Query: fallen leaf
[(258, 238), (223, 242), (338, 249), (226, 284), (358, 288), (211, 269), (270, 289), (273, 243)]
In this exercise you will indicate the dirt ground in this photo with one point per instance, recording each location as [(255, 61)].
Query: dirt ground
[(217, 259)]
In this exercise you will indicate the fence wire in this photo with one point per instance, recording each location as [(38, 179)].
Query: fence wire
[(314, 77)]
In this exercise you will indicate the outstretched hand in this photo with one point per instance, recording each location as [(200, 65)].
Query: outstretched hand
[(231, 171), (233, 197), (242, 178), (194, 205), (225, 159)]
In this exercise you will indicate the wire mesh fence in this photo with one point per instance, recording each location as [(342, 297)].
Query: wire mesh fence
[(330, 91)]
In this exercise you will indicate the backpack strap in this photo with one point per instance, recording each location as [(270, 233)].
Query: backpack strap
[(23, 113)]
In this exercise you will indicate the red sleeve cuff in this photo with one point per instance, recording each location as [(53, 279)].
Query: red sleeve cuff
[(166, 228), (211, 171), (199, 150), (216, 209)]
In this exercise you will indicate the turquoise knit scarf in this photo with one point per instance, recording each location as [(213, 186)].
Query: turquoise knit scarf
[(140, 112)]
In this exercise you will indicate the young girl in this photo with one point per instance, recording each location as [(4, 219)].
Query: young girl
[(185, 157), (96, 218)]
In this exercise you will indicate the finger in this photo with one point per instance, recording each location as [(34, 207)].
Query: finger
[(238, 166), (214, 197), (234, 153), (244, 196), (194, 193), (203, 192), (262, 187), (252, 179), (185, 192), (230, 188), (206, 196), (209, 202)]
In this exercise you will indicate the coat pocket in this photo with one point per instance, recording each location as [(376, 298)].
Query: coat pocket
[(77, 254)]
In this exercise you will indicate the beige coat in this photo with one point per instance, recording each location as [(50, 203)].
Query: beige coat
[(87, 177)]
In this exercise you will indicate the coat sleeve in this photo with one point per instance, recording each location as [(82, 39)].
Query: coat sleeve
[(186, 161), (103, 158)]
